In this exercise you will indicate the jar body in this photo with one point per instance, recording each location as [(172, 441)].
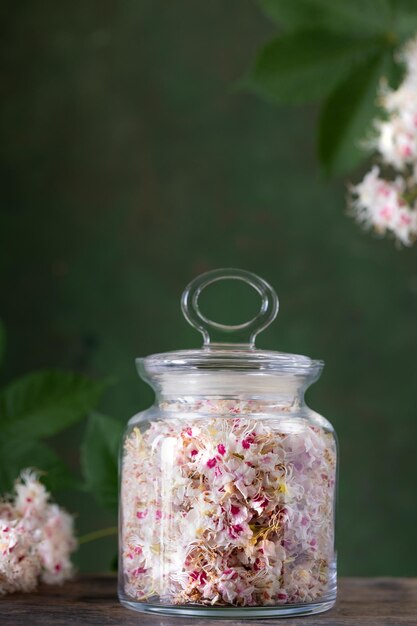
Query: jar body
[(227, 508)]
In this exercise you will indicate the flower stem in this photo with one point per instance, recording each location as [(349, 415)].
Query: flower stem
[(97, 534)]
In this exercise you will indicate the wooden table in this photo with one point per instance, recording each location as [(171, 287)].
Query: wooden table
[(91, 600)]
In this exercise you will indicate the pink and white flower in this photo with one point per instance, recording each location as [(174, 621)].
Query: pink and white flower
[(380, 204), (241, 520), (390, 206), (36, 538)]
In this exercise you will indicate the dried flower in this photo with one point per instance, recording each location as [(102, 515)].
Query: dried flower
[(36, 538), (240, 509)]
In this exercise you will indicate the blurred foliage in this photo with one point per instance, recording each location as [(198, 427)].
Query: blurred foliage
[(33, 408), (42, 404), (129, 164), (335, 52), (99, 457)]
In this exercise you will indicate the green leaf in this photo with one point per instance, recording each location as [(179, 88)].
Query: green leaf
[(99, 458), (404, 22), (347, 117), (289, 13), (340, 16), (44, 403), (2, 341), (21, 454), (394, 71), (306, 66)]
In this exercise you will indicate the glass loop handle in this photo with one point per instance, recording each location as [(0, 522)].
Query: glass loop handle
[(192, 313)]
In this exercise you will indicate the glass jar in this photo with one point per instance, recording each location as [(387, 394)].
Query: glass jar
[(228, 481)]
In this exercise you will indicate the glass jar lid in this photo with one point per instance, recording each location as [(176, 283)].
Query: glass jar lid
[(229, 356)]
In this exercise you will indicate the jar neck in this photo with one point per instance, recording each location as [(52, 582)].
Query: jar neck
[(230, 404), (201, 391)]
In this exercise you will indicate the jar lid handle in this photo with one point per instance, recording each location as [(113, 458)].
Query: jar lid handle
[(193, 314)]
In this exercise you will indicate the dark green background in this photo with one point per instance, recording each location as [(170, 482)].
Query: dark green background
[(130, 163)]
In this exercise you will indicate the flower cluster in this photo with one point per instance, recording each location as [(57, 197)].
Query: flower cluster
[(380, 204), (223, 507), (36, 538), (391, 205)]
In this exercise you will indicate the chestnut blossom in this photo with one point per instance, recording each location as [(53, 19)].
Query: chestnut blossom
[(390, 205), (36, 538), (379, 203), (397, 138), (222, 507)]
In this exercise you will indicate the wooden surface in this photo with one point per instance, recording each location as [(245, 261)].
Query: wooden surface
[(92, 600)]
